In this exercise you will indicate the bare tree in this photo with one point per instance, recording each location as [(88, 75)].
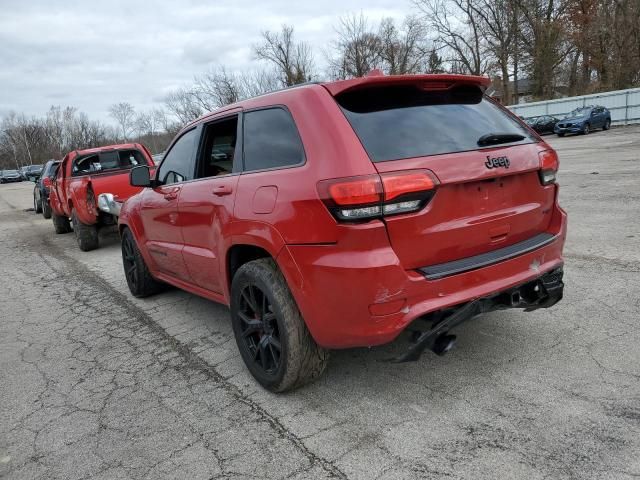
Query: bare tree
[(182, 105), (545, 41), (124, 115), (403, 50), (292, 60), (458, 28), (357, 50)]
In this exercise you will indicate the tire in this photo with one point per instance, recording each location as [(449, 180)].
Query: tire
[(46, 209), (60, 223), (561, 134), (607, 124), (141, 283), (37, 205), (276, 346), (86, 235), (586, 129)]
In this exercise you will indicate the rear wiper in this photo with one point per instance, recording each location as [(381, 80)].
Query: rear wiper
[(496, 138)]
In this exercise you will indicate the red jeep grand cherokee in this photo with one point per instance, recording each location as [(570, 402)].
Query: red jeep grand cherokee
[(334, 215)]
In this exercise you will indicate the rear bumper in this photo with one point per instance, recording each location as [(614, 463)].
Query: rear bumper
[(572, 129), (360, 295)]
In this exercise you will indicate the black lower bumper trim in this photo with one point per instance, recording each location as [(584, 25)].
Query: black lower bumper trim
[(441, 270), (542, 292)]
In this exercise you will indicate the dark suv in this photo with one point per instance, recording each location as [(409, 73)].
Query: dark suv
[(335, 215), (42, 187), (584, 120)]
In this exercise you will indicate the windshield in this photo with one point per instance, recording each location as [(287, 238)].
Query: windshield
[(406, 121), (579, 112), (11, 172)]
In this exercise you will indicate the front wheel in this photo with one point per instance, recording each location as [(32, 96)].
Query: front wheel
[(86, 235), (585, 129), (273, 339), (607, 124), (141, 283)]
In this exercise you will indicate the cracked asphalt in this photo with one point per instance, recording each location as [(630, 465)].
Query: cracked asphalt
[(97, 384)]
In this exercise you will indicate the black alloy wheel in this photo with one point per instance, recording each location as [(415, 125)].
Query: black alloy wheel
[(259, 328), (129, 262)]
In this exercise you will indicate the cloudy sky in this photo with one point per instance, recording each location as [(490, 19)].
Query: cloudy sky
[(93, 53)]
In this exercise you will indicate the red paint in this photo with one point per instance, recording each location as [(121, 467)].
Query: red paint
[(356, 284)]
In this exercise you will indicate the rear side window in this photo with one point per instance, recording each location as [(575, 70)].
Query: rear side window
[(271, 140), (406, 121)]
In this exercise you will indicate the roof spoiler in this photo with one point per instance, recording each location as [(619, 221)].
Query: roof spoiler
[(427, 81)]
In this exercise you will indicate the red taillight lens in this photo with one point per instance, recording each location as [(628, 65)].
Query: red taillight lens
[(355, 190), (548, 166), (372, 196), (397, 184), (46, 182)]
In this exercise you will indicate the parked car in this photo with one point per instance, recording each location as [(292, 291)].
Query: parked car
[(42, 187), (82, 176), (335, 215), (584, 120), (7, 176), (32, 172), (543, 124)]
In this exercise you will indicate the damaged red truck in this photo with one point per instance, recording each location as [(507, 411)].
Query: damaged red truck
[(337, 215), (89, 187)]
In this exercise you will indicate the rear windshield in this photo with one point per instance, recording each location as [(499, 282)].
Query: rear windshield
[(110, 160), (406, 121)]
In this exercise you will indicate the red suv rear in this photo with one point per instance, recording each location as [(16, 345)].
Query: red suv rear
[(334, 215)]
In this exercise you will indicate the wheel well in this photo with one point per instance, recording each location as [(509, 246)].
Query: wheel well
[(240, 254)]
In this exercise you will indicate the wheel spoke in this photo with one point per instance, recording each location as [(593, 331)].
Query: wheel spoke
[(275, 343), (249, 297), (263, 352), (275, 356)]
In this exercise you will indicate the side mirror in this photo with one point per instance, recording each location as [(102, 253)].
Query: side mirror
[(140, 176)]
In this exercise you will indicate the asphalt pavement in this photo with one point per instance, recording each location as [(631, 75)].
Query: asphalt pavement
[(97, 384)]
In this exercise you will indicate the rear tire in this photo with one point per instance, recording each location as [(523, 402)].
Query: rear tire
[(141, 283), (61, 224), (86, 235), (46, 209), (607, 125), (37, 205), (273, 339)]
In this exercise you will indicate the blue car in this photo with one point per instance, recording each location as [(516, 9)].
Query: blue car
[(584, 120)]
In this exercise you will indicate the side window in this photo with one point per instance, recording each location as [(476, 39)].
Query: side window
[(219, 148), (176, 166), (270, 140)]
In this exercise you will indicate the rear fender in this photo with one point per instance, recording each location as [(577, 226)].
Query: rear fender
[(78, 191)]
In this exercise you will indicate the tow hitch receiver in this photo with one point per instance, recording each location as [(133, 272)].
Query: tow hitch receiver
[(543, 292)]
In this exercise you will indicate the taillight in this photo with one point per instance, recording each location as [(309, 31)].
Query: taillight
[(374, 196), (548, 166), (46, 183)]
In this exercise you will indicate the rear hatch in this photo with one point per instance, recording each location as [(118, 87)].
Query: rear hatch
[(490, 194)]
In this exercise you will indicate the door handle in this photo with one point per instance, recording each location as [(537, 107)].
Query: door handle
[(171, 196), (221, 190)]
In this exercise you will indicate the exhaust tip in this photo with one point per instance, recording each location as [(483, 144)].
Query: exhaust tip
[(443, 344), (516, 299)]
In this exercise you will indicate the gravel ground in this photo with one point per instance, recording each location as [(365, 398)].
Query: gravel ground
[(97, 384)]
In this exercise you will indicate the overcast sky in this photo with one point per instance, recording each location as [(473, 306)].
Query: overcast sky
[(91, 54)]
